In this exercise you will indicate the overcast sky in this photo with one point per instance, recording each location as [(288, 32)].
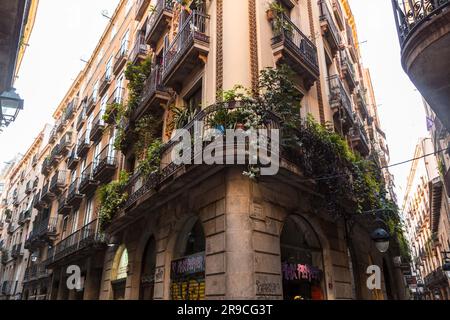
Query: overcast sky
[(66, 31)]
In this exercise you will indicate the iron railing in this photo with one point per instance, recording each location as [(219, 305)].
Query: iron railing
[(327, 16), (140, 47), (58, 180), (338, 95), (409, 14), (106, 157), (159, 8), (194, 28), (87, 236), (40, 228), (286, 31)]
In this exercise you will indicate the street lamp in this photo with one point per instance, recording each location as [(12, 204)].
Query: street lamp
[(381, 238), (10, 104)]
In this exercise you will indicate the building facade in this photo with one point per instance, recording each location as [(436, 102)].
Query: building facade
[(426, 218), (424, 33), (205, 232)]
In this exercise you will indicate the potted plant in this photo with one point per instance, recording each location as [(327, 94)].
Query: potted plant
[(274, 10)]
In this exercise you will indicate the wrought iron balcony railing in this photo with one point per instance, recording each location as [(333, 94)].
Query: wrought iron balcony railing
[(332, 33), (98, 124), (409, 14), (83, 144), (121, 57), (82, 116), (299, 52), (140, 49), (105, 163), (339, 98), (87, 182), (58, 181), (158, 20), (348, 70), (43, 228), (85, 238), (194, 29), (73, 159)]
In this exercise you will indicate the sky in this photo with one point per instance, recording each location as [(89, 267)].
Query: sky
[(64, 32), (67, 31)]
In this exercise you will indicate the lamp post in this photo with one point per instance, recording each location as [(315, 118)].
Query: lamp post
[(381, 237), (10, 104)]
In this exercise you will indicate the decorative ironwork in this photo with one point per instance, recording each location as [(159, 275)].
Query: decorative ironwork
[(409, 14), (291, 35), (194, 28)]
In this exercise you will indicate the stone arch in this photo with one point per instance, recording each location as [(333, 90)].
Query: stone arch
[(118, 274), (312, 223), (179, 233)]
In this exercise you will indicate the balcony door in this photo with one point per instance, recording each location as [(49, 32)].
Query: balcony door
[(109, 68), (118, 90), (124, 43)]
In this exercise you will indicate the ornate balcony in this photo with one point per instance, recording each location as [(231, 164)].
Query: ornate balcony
[(28, 188), (98, 125), (16, 251), (37, 202), (339, 15), (91, 102), (24, 217), (359, 138), (329, 28), (82, 116), (159, 21), (348, 70), (105, 81), (140, 50), (424, 32), (36, 272), (87, 182), (291, 46), (65, 144), (141, 7), (70, 109), (362, 103), (58, 182), (74, 197), (340, 101), (63, 206), (121, 58), (187, 51), (154, 95), (46, 195), (83, 144), (105, 164), (73, 160), (44, 232), (45, 169), (52, 137), (85, 241), (55, 156)]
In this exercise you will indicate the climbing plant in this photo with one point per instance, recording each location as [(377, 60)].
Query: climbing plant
[(112, 196)]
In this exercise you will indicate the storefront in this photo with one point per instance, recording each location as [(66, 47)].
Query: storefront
[(187, 273), (302, 261)]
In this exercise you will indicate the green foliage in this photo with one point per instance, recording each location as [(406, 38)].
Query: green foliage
[(147, 129), (136, 76), (182, 116), (152, 160), (113, 112), (112, 196), (8, 214)]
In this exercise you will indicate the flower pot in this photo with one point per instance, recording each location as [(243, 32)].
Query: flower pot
[(270, 15)]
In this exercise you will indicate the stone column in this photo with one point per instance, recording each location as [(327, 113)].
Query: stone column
[(239, 248)]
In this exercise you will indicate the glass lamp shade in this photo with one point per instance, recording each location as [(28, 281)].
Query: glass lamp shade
[(381, 238), (10, 104)]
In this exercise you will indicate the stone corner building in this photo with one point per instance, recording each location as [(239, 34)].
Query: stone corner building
[(205, 232)]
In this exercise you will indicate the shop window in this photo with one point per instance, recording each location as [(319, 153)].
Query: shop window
[(188, 268), (148, 271), (120, 274), (302, 261)]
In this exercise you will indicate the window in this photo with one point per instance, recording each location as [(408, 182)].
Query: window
[(109, 68), (124, 43), (89, 209), (194, 100), (75, 221), (95, 92), (64, 228), (128, 6), (103, 104)]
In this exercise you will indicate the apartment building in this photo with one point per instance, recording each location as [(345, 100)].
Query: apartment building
[(22, 182), (424, 33), (198, 231)]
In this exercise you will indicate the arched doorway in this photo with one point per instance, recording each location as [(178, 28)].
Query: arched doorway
[(188, 267), (302, 261), (120, 274), (147, 280)]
